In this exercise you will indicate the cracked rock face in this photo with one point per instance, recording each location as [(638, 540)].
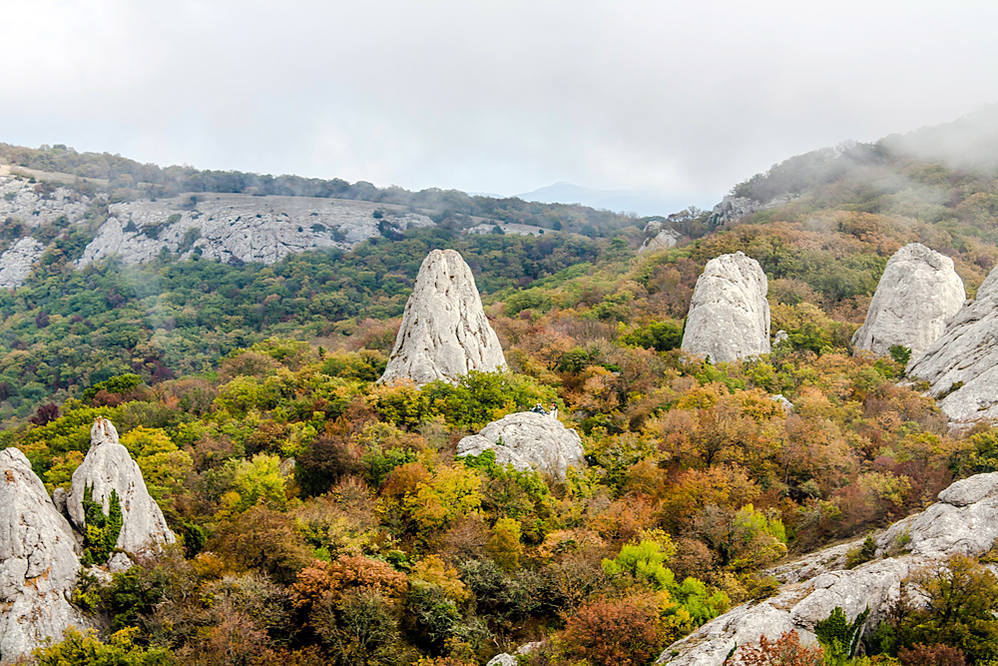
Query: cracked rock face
[(107, 467), (38, 562), (234, 228), (729, 315), (917, 294), (658, 236), (444, 332), (961, 366), (17, 261), (528, 440), (964, 521)]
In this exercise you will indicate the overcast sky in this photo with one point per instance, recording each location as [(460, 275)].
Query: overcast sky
[(681, 98)]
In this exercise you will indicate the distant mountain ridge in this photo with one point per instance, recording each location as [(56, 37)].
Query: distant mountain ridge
[(639, 202)]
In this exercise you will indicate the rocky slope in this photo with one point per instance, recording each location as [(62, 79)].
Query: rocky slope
[(528, 440), (917, 294), (729, 315), (38, 562), (444, 332), (961, 366), (220, 227), (107, 467), (239, 227), (963, 521)]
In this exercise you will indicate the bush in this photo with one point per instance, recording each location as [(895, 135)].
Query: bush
[(616, 632), (784, 651), (79, 649)]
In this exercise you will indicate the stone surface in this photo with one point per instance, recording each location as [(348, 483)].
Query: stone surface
[(235, 228), (729, 315), (38, 562), (963, 521), (106, 467), (918, 293), (444, 332), (17, 261), (658, 236), (528, 440), (502, 659), (961, 366)]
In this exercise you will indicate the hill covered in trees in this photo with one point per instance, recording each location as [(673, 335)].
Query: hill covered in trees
[(376, 545)]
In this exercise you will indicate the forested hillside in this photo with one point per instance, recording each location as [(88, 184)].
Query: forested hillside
[(323, 517)]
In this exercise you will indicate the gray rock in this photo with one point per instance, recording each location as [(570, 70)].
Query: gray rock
[(782, 401), (918, 293), (528, 440), (963, 521), (18, 260), (729, 314), (502, 659), (780, 337), (106, 467), (444, 332), (38, 562), (961, 366), (732, 208), (240, 227), (658, 236)]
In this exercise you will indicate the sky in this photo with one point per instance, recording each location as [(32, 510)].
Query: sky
[(678, 99)]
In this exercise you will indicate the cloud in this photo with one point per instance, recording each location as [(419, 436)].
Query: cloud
[(683, 98)]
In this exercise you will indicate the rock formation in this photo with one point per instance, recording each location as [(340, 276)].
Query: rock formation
[(38, 562), (961, 366), (658, 236), (918, 292), (17, 261), (729, 314), (106, 467), (528, 440), (444, 332), (963, 521)]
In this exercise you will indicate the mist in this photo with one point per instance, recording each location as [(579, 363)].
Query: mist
[(505, 97)]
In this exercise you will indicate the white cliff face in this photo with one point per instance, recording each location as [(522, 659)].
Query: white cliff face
[(729, 315), (17, 261), (108, 467), (36, 204), (38, 562), (964, 521), (239, 227), (528, 440), (917, 294), (658, 236), (961, 366), (444, 332)]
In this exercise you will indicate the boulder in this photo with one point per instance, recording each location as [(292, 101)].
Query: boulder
[(917, 294), (964, 521), (38, 562), (658, 236), (528, 440), (961, 366), (106, 467), (729, 315), (444, 332)]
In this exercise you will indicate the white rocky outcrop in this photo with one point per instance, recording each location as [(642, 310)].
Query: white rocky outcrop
[(658, 236), (444, 332), (528, 440), (17, 261), (106, 467), (729, 315), (240, 227), (38, 562), (961, 366), (917, 294), (964, 521)]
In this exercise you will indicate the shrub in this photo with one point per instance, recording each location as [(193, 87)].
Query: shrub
[(85, 649), (616, 632), (784, 651)]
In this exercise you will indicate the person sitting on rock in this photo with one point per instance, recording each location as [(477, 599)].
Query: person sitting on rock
[(538, 409)]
